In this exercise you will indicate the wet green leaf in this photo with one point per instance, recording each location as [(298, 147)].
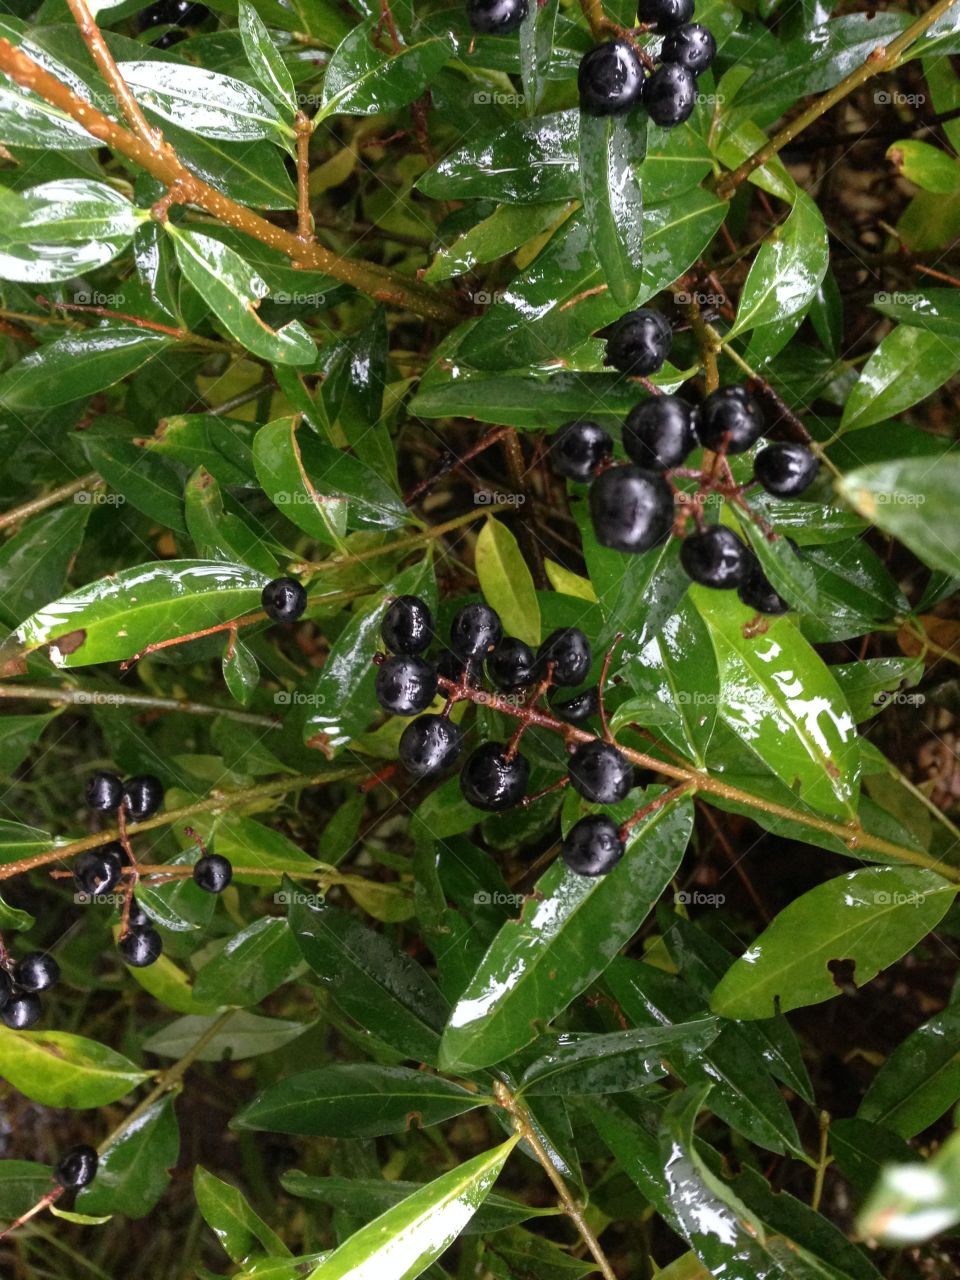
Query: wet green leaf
[(251, 964), (205, 102), (78, 364), (908, 365), (134, 1171), (912, 499), (506, 582), (920, 1080), (612, 150), (227, 1213), (59, 230), (788, 270), (267, 65), (362, 81), (59, 1069)]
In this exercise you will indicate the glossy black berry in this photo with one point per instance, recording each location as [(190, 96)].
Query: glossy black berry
[(168, 39), (104, 791), (77, 1168), (757, 592), (212, 872), (456, 669), (429, 745), (659, 433), (610, 79), (785, 470), (140, 947), (36, 972), (512, 665), (593, 846), (631, 509), (691, 46), (579, 708), (406, 685), (639, 342), (490, 781), (407, 625), (670, 95), (283, 599), (182, 12), (142, 796), (716, 557), (96, 872), (732, 416), (569, 651), (21, 1011), (577, 450), (496, 17), (475, 630), (600, 773), (664, 14)]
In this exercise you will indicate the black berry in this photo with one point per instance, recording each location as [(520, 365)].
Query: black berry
[(760, 594), (77, 1168), (475, 631), (639, 342), (283, 599), (104, 791), (785, 470), (731, 416), (577, 450), (490, 781), (631, 509), (579, 708), (456, 669), (142, 796), (407, 625), (21, 1011), (691, 46), (659, 433), (593, 846), (512, 665), (670, 95), (600, 773), (96, 872), (716, 557), (429, 745), (182, 12), (406, 685), (212, 872), (569, 651), (140, 947), (664, 14), (36, 972), (496, 17), (137, 917), (610, 79)]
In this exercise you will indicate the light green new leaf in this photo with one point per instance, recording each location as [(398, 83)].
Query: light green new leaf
[(915, 499), (59, 1069), (788, 270), (405, 1240), (266, 63), (78, 364), (507, 583), (508, 227), (233, 291), (927, 166), (845, 930)]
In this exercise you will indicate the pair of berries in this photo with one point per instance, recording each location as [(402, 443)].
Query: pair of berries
[(20, 985), (140, 797)]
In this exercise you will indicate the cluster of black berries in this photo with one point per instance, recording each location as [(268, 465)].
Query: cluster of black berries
[(632, 505), (495, 775), (612, 80), (176, 14), (283, 599), (20, 985)]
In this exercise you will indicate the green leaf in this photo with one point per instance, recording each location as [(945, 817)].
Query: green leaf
[(235, 1224), (17, 735), (147, 482), (780, 698), (913, 1202), (59, 1069), (265, 61), (356, 1100), (241, 671), (845, 930), (787, 272), (233, 291), (937, 310), (22, 1183), (116, 617), (34, 563), (78, 364), (611, 164), (26, 119), (929, 167), (61, 229), (405, 1240), (134, 1171), (920, 1080), (568, 932), (251, 964), (506, 582), (222, 534), (379, 986), (908, 365), (362, 81), (14, 918), (536, 46), (508, 227), (862, 1149), (20, 841), (915, 499), (205, 102), (615, 1062), (246, 1035)]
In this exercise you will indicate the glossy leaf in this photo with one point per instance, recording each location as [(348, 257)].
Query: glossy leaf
[(908, 365), (228, 1214), (78, 364), (362, 81), (59, 1069), (788, 270), (611, 162), (205, 102), (265, 61), (912, 499), (506, 582), (58, 230), (851, 927), (920, 1080), (134, 1171), (254, 962)]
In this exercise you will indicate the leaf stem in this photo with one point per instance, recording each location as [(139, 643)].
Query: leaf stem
[(304, 131), (881, 59)]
